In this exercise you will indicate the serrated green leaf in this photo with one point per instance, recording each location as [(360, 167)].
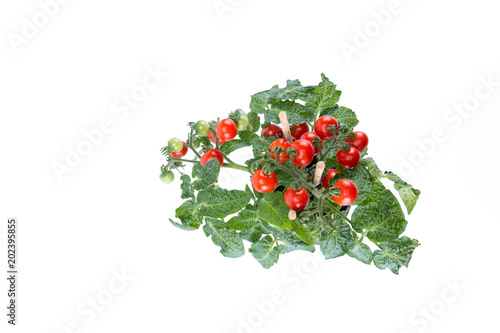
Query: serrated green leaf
[(273, 210), (259, 102), (208, 175), (372, 167), (231, 245), (260, 145), (395, 254), (381, 221), (297, 113), (265, 251), (230, 146), (376, 194), (338, 242), (408, 194), (362, 252), (293, 90), (186, 227), (325, 96), (304, 232), (244, 220), (345, 116), (219, 203), (190, 215), (187, 188), (291, 242), (254, 121)]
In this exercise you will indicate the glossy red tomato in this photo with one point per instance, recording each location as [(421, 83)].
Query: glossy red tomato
[(272, 130), (360, 142), (305, 153), (299, 130), (211, 137), (264, 183), (348, 192), (309, 136), (284, 144), (329, 174), (297, 200), (212, 153), (321, 127), (348, 159), (226, 129), (180, 154)]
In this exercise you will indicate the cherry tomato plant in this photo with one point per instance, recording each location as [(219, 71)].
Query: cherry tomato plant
[(311, 182)]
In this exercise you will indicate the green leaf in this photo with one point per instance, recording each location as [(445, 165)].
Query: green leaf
[(408, 194), (254, 120), (380, 221), (376, 194), (362, 252), (187, 188), (372, 167), (338, 242), (197, 170), (273, 210), (260, 145), (265, 252), (291, 242), (297, 113), (219, 203), (359, 176), (245, 220), (260, 101), (304, 232), (395, 254), (186, 227), (293, 90), (231, 245), (190, 216), (230, 146), (208, 175), (325, 96), (345, 116)]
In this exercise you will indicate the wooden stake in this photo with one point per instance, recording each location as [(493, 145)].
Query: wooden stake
[(292, 215), (319, 172), (286, 126)]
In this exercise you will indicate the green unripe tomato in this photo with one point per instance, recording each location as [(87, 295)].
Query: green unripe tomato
[(201, 128), (196, 143), (167, 177), (175, 144), (242, 123)]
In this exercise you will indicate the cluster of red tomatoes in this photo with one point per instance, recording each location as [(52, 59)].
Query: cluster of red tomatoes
[(226, 130), (303, 144)]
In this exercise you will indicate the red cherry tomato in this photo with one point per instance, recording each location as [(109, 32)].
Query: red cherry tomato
[(211, 137), (226, 129), (309, 136), (272, 130), (264, 183), (180, 154), (305, 153), (284, 144), (360, 142), (348, 192), (321, 127), (348, 159), (329, 174), (211, 154), (296, 200), (299, 130)]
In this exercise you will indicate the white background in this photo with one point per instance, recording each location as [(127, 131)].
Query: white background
[(111, 212)]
